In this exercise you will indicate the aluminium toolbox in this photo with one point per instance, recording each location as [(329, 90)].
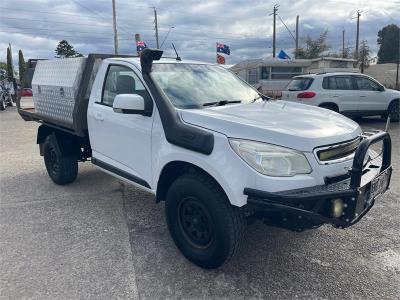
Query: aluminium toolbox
[(61, 90), (55, 87)]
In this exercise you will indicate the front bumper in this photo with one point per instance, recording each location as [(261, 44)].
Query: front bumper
[(310, 207)]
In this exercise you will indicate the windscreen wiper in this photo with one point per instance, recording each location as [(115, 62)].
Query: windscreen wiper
[(221, 102), (263, 97)]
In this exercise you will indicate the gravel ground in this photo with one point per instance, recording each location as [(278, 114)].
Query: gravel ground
[(101, 239)]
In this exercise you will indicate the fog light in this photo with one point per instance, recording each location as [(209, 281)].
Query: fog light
[(337, 208)]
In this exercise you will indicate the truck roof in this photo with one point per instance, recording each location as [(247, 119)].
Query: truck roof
[(136, 61)]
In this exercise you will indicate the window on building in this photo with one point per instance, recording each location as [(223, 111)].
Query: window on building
[(264, 72), (285, 72), (252, 76)]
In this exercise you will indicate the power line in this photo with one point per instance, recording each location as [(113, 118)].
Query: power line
[(287, 28)]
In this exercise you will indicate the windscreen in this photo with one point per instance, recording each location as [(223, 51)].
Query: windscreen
[(299, 84), (196, 86)]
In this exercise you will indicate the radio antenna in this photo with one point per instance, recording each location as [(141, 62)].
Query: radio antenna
[(176, 52)]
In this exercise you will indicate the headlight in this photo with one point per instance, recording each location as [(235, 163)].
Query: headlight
[(270, 159)]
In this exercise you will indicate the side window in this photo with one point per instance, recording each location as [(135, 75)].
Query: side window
[(329, 83), (366, 84), (121, 80), (344, 83)]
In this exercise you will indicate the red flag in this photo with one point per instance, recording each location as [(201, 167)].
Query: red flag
[(220, 59)]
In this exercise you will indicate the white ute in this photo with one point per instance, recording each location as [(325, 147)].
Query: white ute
[(208, 144)]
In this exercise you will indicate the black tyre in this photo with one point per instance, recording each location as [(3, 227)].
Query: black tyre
[(205, 227), (393, 111), (9, 103), (329, 106), (2, 105), (61, 168)]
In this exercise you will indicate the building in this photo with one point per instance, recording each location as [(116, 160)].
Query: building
[(272, 75)]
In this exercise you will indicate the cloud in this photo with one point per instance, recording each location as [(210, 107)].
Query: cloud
[(246, 26)]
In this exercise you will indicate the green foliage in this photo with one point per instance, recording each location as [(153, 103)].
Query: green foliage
[(341, 54), (22, 68), (314, 48), (65, 49), (10, 73), (3, 68), (388, 41)]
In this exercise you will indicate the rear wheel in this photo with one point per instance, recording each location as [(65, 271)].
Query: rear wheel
[(393, 111), (205, 227), (62, 169), (330, 106)]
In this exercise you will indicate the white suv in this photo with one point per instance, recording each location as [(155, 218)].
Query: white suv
[(351, 94)]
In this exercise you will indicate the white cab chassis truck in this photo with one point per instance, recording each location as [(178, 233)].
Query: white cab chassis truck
[(216, 151)]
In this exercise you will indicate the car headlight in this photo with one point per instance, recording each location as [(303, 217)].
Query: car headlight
[(270, 159)]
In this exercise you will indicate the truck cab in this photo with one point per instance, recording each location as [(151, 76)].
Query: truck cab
[(215, 150)]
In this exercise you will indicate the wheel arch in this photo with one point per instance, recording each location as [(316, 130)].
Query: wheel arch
[(67, 143), (173, 170), (326, 104), (393, 101)]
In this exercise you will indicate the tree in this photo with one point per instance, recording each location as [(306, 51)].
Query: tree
[(10, 71), (364, 56), (341, 54), (314, 48), (64, 49), (22, 68), (388, 41)]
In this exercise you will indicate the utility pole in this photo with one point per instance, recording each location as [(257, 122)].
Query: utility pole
[(343, 31), (358, 32), (398, 63), (115, 28), (156, 27), (274, 31), (297, 37)]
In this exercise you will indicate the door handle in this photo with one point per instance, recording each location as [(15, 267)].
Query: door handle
[(335, 96), (98, 116), (363, 96)]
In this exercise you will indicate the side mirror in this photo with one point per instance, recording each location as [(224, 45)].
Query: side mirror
[(381, 88), (129, 104)]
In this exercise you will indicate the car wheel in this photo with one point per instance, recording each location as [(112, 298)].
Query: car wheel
[(205, 227), (62, 169), (393, 111), (332, 107)]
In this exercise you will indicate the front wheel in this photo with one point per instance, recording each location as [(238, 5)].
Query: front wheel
[(2, 104), (62, 169), (205, 227)]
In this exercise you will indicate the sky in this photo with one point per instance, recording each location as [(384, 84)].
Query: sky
[(37, 26)]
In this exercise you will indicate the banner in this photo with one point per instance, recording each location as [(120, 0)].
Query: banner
[(140, 46), (220, 59)]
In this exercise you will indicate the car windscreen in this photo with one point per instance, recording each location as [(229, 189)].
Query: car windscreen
[(196, 85), (299, 84)]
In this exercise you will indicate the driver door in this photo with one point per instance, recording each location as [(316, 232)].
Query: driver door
[(122, 141)]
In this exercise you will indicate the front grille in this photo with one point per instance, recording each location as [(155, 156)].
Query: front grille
[(336, 152)]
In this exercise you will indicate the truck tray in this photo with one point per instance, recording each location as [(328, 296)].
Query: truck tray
[(61, 90)]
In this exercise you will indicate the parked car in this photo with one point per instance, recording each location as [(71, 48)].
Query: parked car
[(208, 144), (351, 94), (26, 92)]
